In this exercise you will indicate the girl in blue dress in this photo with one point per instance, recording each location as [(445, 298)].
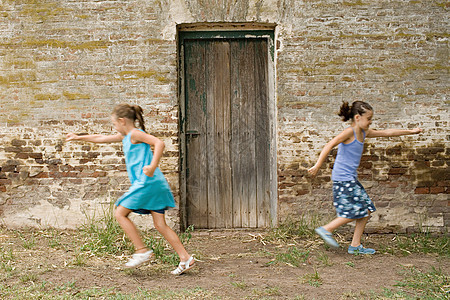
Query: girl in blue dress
[(149, 192), (350, 199)]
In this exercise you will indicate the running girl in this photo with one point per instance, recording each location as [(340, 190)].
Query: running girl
[(149, 193), (350, 199)]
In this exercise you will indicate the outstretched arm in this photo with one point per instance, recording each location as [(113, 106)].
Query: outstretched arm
[(95, 138), (343, 136), (138, 136), (392, 132)]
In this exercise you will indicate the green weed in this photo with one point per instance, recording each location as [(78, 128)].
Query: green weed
[(104, 235), (350, 264), (6, 254), (293, 257), (79, 260), (162, 250), (240, 285), (29, 277), (418, 243), (48, 290), (313, 279), (54, 239), (426, 285), (424, 243), (420, 285), (324, 259), (6, 262), (291, 229), (29, 244), (268, 291)]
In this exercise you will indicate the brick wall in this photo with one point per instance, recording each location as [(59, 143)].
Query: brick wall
[(65, 64)]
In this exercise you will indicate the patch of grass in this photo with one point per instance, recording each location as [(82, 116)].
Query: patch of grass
[(425, 243), (30, 243), (293, 257), (104, 235), (267, 291), (416, 284), (6, 254), (29, 277), (68, 286), (69, 290), (240, 285), (6, 263), (324, 259), (313, 279), (54, 239), (295, 228), (79, 260), (162, 250), (350, 264)]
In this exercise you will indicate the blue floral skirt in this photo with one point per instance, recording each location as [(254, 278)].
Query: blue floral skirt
[(351, 200)]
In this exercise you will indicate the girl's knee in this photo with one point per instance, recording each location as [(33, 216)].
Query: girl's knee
[(120, 213), (159, 225)]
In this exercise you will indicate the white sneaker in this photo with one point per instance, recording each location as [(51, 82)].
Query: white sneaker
[(138, 259)]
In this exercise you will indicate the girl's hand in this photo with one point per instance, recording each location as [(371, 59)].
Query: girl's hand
[(149, 171), (313, 171), (416, 130), (71, 136)]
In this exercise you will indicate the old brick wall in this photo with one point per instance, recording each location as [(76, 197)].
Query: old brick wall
[(65, 64), (394, 55)]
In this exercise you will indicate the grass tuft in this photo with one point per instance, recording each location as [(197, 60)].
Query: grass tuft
[(424, 243), (293, 257), (313, 279), (302, 228), (105, 236), (416, 284)]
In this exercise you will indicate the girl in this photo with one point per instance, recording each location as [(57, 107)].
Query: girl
[(350, 199), (149, 193)]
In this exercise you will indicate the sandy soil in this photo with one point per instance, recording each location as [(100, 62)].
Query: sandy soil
[(231, 265)]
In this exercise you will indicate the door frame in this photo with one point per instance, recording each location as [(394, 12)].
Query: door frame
[(228, 31)]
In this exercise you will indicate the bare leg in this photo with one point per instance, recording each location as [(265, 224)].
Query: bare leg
[(159, 221), (359, 229), (339, 221), (130, 229)]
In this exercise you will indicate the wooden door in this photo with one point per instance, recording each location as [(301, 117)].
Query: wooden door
[(226, 132)]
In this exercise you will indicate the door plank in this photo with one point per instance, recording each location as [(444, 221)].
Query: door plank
[(221, 56), (211, 153), (250, 109), (196, 168), (262, 134), (236, 127), (224, 130), (243, 131)]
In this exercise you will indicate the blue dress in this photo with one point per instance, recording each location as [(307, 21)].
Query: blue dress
[(146, 193), (349, 197)]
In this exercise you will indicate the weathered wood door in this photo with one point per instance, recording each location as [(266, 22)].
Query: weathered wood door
[(226, 131)]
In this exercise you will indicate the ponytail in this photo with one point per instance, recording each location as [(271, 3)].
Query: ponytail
[(139, 116), (345, 112), (348, 112), (132, 112)]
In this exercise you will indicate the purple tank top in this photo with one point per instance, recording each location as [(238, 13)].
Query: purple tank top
[(347, 160)]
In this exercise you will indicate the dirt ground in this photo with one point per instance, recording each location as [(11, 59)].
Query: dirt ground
[(231, 265)]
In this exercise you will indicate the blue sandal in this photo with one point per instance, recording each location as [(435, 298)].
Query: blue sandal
[(360, 250), (327, 237)]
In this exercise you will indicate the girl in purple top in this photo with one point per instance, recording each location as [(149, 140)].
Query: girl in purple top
[(349, 197)]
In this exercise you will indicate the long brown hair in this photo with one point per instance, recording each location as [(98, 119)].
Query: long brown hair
[(348, 112), (132, 112)]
